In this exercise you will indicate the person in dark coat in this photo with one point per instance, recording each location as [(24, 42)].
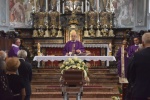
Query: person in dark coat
[(139, 72), (25, 71)]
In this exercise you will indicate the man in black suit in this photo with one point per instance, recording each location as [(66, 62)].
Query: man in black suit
[(138, 73), (25, 71)]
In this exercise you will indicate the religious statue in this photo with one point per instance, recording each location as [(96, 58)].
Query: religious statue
[(92, 31), (59, 32), (38, 49), (98, 32)]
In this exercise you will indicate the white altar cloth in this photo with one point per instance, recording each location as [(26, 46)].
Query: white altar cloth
[(87, 58)]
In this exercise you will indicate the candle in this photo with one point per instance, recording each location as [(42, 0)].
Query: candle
[(98, 5), (35, 4), (85, 5), (63, 8), (82, 7), (46, 5)]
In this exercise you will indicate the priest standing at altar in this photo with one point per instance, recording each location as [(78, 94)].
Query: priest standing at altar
[(73, 46), (122, 56), (134, 48)]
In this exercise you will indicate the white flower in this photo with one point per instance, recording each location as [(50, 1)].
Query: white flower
[(72, 62), (66, 63), (74, 66), (75, 58), (62, 66), (69, 59), (78, 64)]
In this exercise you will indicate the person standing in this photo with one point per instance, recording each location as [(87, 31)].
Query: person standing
[(122, 56), (15, 48), (139, 72), (74, 46), (25, 72), (134, 48)]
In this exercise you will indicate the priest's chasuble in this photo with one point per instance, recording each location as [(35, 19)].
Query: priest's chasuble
[(73, 46)]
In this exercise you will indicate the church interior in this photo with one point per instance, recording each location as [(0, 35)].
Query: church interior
[(45, 26)]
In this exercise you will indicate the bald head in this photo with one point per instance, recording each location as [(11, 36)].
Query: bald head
[(3, 55), (146, 39), (73, 35)]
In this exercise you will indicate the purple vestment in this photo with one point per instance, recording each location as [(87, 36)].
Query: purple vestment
[(69, 45), (126, 59), (132, 50), (13, 51)]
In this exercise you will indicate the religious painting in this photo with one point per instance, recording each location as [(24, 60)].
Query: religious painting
[(3, 13), (124, 13), (19, 12)]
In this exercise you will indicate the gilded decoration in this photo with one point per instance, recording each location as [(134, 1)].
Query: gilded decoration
[(88, 18)]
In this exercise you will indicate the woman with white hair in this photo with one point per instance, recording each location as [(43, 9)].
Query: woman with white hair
[(25, 71)]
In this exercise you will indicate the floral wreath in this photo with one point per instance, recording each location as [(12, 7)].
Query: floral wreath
[(74, 63)]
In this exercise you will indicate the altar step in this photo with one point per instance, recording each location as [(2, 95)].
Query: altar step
[(85, 94), (103, 84)]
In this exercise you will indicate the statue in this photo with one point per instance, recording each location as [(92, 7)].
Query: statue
[(92, 31), (38, 49), (59, 32)]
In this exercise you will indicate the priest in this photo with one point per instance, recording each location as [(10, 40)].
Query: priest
[(15, 48), (134, 48), (73, 47), (122, 56)]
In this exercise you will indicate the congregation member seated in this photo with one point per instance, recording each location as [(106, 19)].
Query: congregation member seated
[(14, 80), (25, 72), (73, 47)]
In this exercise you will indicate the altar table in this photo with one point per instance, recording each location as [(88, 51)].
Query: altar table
[(87, 58)]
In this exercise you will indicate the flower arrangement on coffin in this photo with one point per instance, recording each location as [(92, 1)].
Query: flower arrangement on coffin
[(75, 63)]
